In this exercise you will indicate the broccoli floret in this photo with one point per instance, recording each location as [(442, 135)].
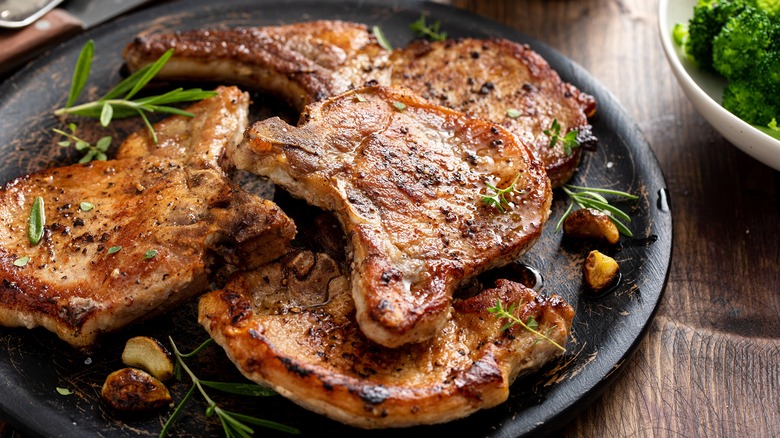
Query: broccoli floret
[(746, 100), (709, 17), (771, 7), (742, 42)]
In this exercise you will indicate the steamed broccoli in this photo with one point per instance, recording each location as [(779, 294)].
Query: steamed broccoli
[(708, 19), (740, 39), (742, 42)]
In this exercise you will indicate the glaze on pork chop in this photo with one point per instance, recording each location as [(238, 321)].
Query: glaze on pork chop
[(406, 179), (92, 271), (291, 326), (306, 62)]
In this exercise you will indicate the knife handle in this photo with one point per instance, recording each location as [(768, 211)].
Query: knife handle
[(19, 46)]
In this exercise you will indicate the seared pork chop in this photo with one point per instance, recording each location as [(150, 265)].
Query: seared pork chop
[(306, 62), (129, 238), (291, 326), (503, 82), (303, 62), (406, 179), (198, 141)]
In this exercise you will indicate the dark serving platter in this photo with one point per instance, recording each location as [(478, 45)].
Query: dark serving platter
[(607, 329)]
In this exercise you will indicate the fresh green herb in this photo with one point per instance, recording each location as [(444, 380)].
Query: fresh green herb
[(358, 96), (569, 140), (150, 254), (587, 197), (96, 152), (64, 391), (399, 106), (498, 198), (119, 103), (513, 113), (86, 206), (531, 325), (36, 222), (380, 38), (233, 423), (421, 29), (21, 261), (114, 249)]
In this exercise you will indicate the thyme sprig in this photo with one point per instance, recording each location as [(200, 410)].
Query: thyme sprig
[(498, 198), (234, 424), (530, 324), (119, 102), (93, 152), (569, 140), (421, 29), (589, 197)]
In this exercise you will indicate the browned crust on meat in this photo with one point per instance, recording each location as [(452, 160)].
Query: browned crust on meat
[(486, 77), (317, 356), (407, 186), (200, 140), (302, 62)]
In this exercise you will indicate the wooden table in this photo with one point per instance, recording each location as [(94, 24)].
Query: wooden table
[(710, 364)]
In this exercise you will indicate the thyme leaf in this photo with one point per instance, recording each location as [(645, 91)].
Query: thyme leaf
[(589, 197), (531, 324), (21, 261), (400, 106), (150, 254), (569, 140), (233, 423), (513, 113), (498, 198), (421, 29), (96, 152)]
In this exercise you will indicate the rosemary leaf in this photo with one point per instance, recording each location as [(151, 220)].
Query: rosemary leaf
[(36, 222), (250, 389), (81, 72), (380, 38)]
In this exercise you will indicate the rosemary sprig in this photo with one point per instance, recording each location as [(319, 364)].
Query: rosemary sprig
[(421, 29), (93, 152), (498, 198), (531, 324), (118, 102), (569, 140), (588, 197), (234, 424)]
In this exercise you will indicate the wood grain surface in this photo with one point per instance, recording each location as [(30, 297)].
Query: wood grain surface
[(710, 365)]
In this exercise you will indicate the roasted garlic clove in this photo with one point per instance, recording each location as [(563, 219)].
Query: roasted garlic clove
[(600, 271), (131, 389), (588, 223), (149, 355)]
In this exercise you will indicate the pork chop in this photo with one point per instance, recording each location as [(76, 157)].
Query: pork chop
[(291, 326), (200, 140), (303, 62), (406, 179), (126, 239), (494, 79)]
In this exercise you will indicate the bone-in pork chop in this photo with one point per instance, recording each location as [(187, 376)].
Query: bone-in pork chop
[(302, 62), (126, 239), (497, 80), (406, 179), (291, 326)]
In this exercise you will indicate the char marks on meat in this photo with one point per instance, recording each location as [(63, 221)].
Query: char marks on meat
[(405, 178), (92, 271), (291, 326), (306, 62)]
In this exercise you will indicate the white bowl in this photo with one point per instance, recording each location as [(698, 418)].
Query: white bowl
[(705, 90)]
